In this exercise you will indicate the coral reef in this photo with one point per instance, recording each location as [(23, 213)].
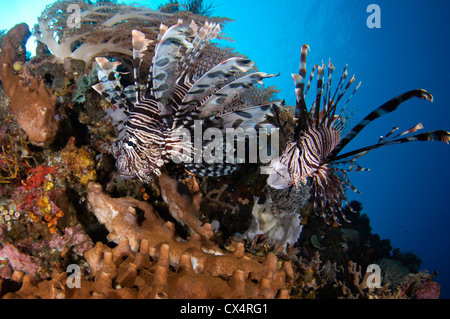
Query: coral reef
[(13, 157), (132, 220), (175, 235), (79, 162), (120, 273), (33, 104)]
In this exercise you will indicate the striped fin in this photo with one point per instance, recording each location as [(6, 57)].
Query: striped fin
[(212, 170), (165, 64), (388, 134), (311, 76), (331, 108), (344, 178), (387, 107), (301, 112), (219, 101), (246, 118), (110, 88), (214, 78), (351, 166), (442, 136), (344, 89), (208, 32), (331, 113), (318, 93), (140, 45), (413, 130), (208, 83), (327, 102)]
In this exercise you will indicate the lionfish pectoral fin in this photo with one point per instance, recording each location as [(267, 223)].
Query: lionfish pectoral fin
[(440, 135), (209, 82), (218, 102), (246, 118), (171, 70)]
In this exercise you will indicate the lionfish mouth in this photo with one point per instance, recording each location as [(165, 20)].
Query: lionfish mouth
[(314, 152)]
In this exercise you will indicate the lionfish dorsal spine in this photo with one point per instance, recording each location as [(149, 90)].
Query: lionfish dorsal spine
[(164, 69), (317, 104), (301, 112), (140, 44), (109, 86), (206, 33)]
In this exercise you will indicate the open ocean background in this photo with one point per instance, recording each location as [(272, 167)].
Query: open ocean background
[(406, 193)]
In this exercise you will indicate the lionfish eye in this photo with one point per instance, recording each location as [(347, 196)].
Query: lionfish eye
[(128, 144)]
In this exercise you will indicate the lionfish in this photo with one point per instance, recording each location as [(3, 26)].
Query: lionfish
[(190, 79), (314, 160)]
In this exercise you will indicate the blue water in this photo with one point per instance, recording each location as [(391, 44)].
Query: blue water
[(406, 193)]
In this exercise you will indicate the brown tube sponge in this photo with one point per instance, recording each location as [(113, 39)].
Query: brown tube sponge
[(33, 104)]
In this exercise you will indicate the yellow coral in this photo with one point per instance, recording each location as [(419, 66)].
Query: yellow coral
[(80, 162), (34, 218), (17, 66)]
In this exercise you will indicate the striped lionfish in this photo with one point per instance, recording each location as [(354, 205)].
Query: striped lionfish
[(190, 79), (313, 158)]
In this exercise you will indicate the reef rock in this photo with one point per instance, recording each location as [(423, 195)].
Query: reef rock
[(183, 205), (135, 220), (282, 230), (120, 273), (33, 104), (18, 260)]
